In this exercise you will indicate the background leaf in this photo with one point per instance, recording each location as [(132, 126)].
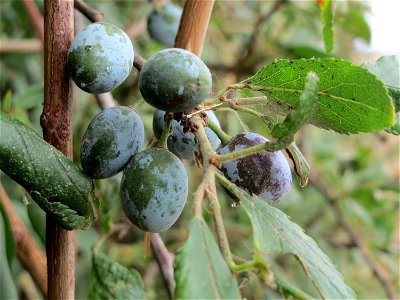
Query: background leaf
[(350, 98), (30, 97), (53, 181), (326, 15), (8, 235), (38, 220), (387, 69), (353, 21), (114, 281), (201, 271)]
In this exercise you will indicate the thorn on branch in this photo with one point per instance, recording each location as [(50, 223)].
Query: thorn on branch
[(214, 160)]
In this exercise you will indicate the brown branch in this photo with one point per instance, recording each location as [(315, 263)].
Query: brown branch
[(56, 121), (193, 25), (28, 252), (355, 237), (165, 261), (36, 17), (89, 12)]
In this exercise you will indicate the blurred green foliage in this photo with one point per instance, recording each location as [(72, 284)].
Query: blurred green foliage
[(360, 171)]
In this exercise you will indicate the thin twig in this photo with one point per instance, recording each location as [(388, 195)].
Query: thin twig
[(355, 237), (20, 45), (207, 187), (198, 199), (250, 46), (165, 261), (89, 12), (36, 17), (28, 252), (206, 150), (211, 193), (134, 29)]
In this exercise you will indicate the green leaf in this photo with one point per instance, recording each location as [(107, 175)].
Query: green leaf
[(53, 181), (350, 98), (114, 281), (7, 286), (274, 233), (301, 113), (327, 16), (201, 272)]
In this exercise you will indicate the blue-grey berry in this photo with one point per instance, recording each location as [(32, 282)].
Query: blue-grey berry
[(100, 58)]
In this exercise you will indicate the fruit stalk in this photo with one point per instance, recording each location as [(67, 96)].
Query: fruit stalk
[(218, 131), (56, 121), (162, 142), (268, 146)]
